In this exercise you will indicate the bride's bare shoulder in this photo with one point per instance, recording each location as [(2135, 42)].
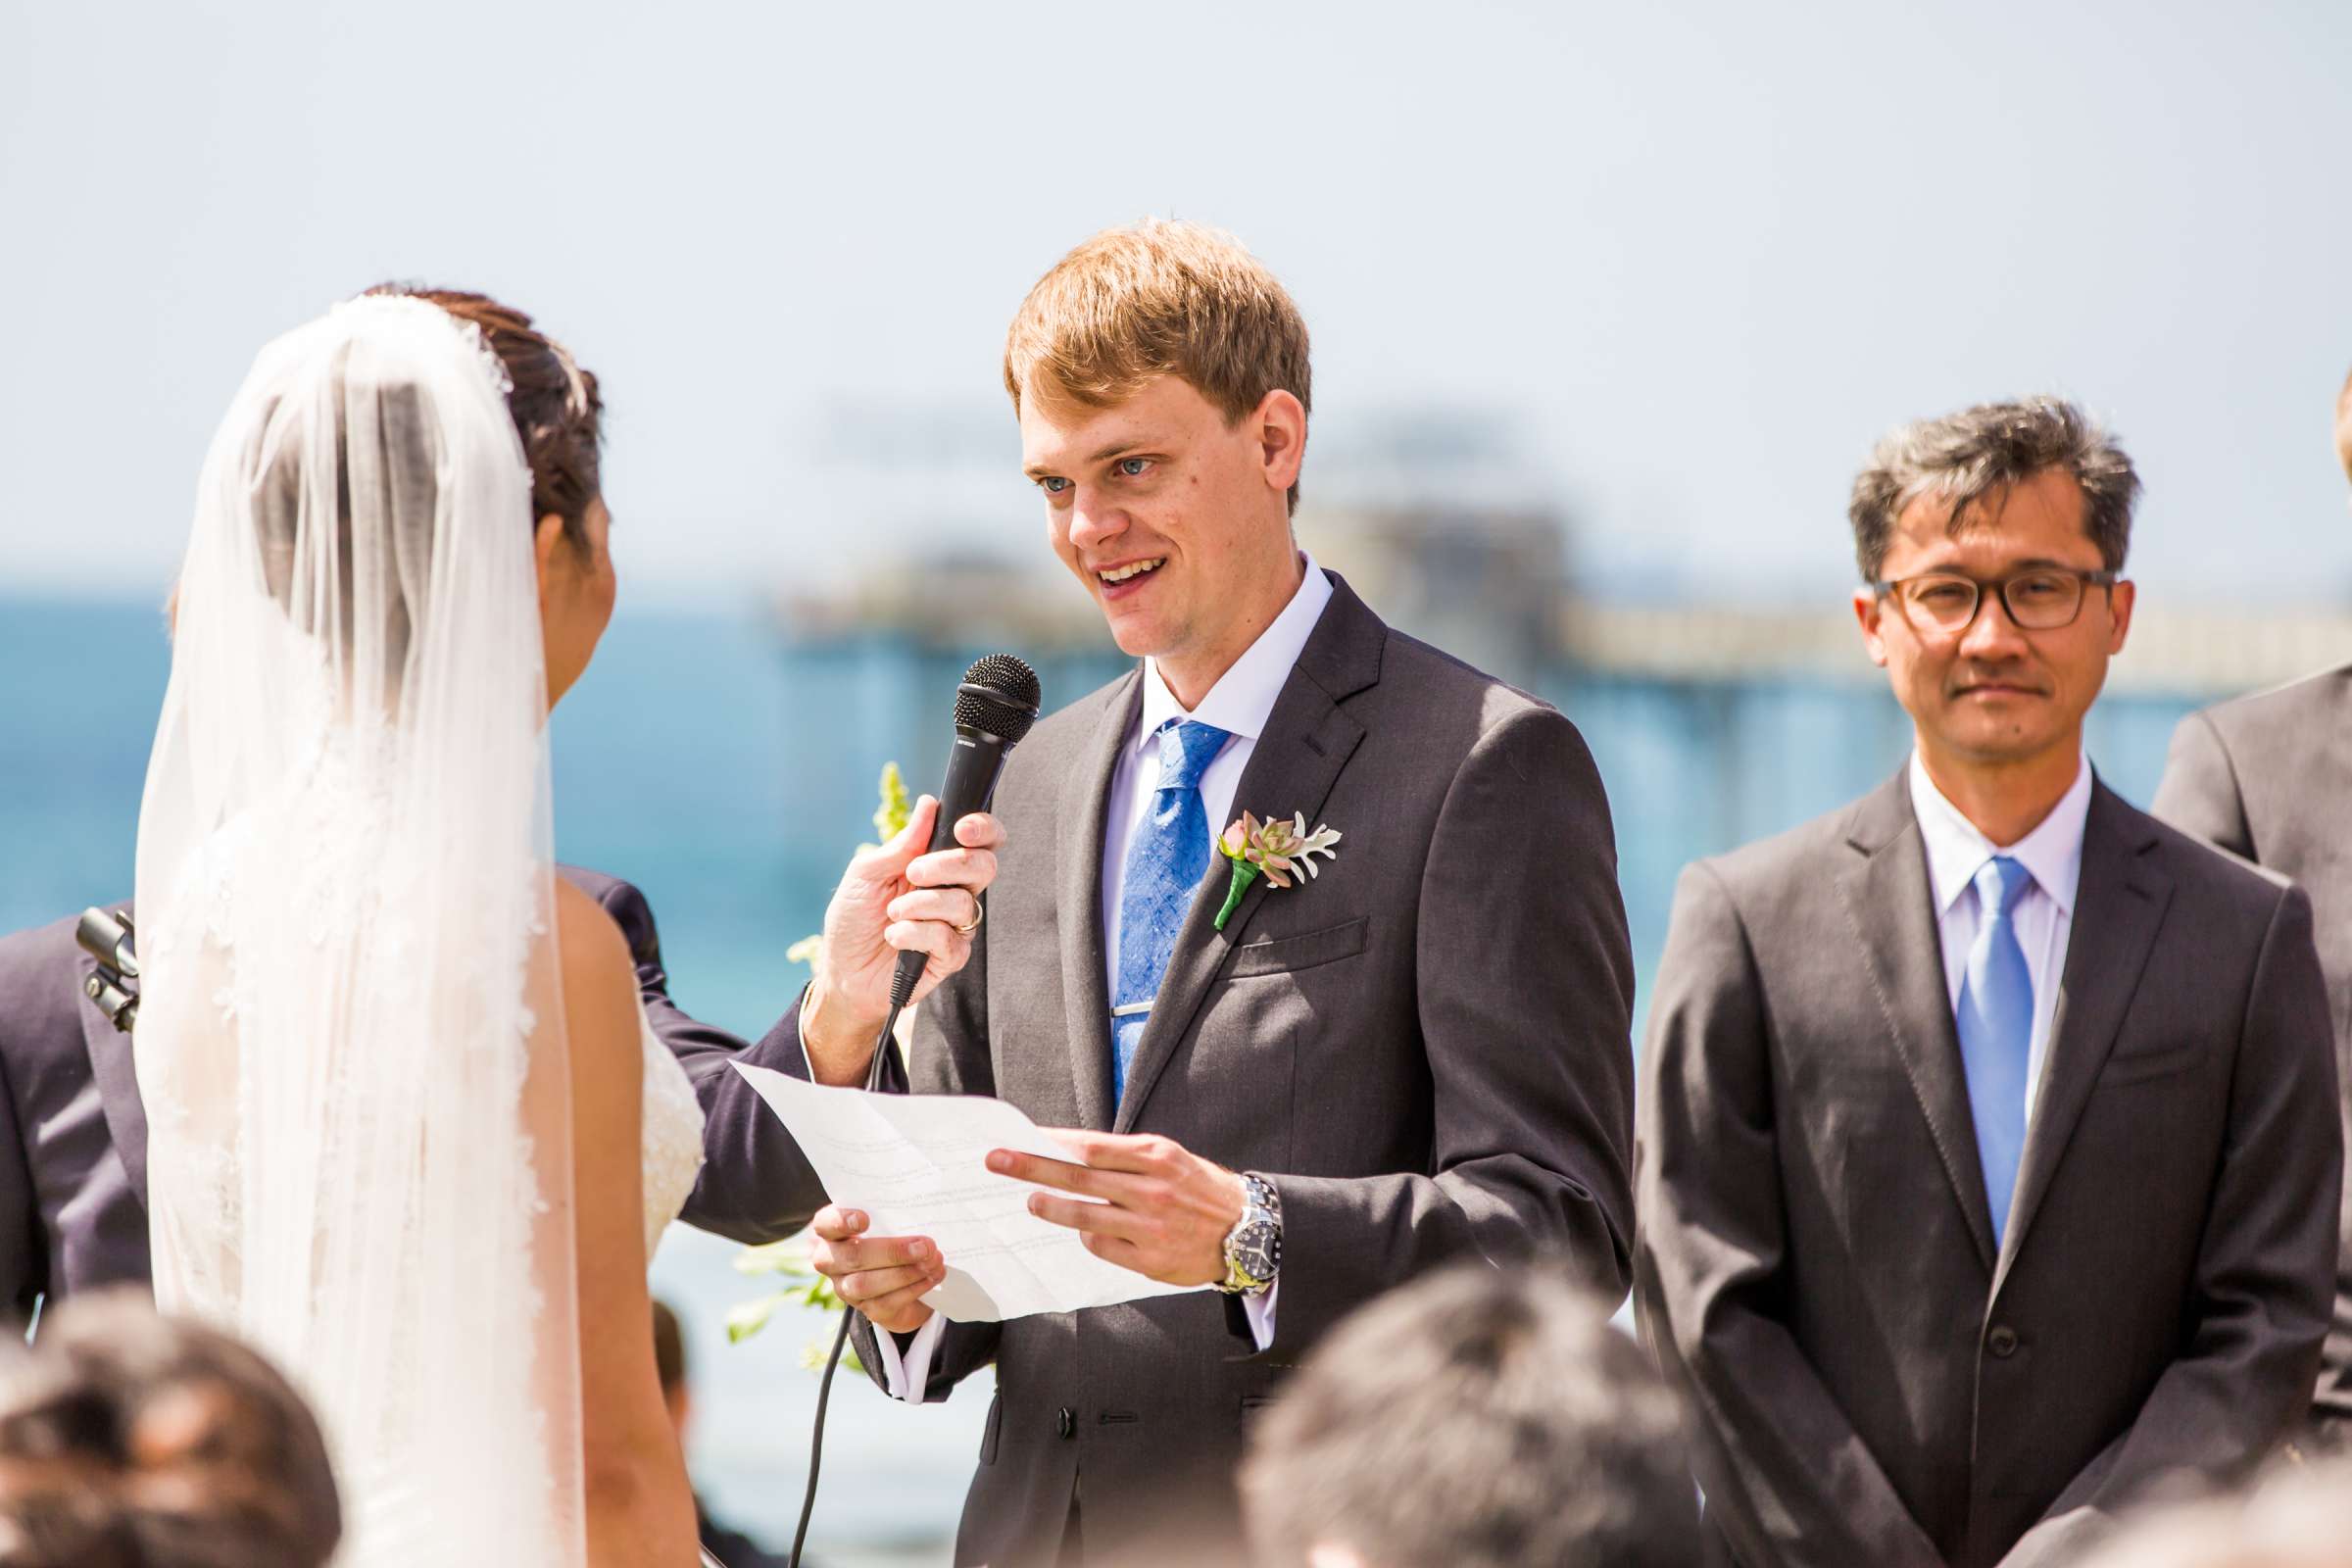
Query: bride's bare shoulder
[(600, 982)]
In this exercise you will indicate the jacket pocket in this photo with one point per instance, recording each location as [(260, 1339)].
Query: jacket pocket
[(1288, 955), (990, 1433), (2141, 1066)]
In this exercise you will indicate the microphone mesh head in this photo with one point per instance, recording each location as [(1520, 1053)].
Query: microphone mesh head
[(999, 697)]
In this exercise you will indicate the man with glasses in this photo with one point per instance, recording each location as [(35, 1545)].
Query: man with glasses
[(1989, 1153), (2269, 777)]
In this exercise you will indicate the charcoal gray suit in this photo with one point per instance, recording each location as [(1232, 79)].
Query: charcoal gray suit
[(1426, 1048), (1871, 1381), (74, 1135), (2269, 777)]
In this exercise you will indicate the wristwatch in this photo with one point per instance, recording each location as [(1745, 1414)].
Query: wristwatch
[(1253, 1247)]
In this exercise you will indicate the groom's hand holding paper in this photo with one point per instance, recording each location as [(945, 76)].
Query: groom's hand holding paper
[(948, 1233), (1143, 1201)]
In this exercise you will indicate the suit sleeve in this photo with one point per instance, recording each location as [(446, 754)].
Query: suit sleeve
[(756, 1185), (2199, 793), (1524, 1025), (1788, 1479), (2266, 1268), (948, 1056), (35, 995)]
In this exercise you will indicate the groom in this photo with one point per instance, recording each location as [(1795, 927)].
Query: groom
[(1419, 1054)]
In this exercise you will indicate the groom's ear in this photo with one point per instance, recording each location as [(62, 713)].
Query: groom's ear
[(1279, 428)]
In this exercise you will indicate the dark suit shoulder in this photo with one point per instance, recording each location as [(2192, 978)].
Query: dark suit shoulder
[(40, 975), (2277, 722), (1428, 673), (2205, 872)]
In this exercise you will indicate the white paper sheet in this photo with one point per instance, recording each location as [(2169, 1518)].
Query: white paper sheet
[(915, 1164)]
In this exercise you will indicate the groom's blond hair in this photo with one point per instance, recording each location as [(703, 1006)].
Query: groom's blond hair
[(1160, 298)]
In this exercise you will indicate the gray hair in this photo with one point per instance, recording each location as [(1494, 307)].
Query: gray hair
[(1477, 1418), (1965, 457)]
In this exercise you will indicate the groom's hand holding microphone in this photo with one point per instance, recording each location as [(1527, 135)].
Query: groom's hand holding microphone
[(893, 899)]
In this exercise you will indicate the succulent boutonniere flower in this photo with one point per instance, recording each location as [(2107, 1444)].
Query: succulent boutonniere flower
[(1272, 848)]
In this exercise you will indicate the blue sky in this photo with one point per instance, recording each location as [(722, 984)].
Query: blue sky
[(1692, 259)]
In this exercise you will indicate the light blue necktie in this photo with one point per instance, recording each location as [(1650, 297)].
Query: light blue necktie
[(1997, 1031), (1166, 862)]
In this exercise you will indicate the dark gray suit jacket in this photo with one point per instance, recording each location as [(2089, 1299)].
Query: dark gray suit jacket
[(2269, 777), (74, 1135), (1869, 1381), (1426, 1048)]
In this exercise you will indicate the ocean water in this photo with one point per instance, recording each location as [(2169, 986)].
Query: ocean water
[(729, 771)]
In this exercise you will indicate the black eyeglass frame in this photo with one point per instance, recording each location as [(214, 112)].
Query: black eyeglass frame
[(1886, 587)]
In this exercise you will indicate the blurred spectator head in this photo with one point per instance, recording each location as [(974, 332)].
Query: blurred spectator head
[(669, 1364), (132, 1440), (1967, 459), (1480, 1418), (1159, 298), (2296, 1518)]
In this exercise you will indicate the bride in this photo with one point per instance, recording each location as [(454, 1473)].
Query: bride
[(409, 1133)]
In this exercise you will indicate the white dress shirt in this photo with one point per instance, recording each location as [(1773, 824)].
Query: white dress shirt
[(2044, 916), (1239, 703)]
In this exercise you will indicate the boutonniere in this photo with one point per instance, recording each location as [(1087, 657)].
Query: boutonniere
[(1272, 848)]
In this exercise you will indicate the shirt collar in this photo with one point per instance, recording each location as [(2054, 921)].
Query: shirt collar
[(1957, 851), (1243, 698)]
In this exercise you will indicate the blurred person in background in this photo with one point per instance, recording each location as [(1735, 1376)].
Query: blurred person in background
[(731, 1546), (132, 1440), (2269, 777), (2299, 1516), (1989, 1153), (1475, 1418)]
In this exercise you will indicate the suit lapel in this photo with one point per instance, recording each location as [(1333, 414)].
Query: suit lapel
[(1893, 916), (1085, 992), (118, 1081), (1307, 740), (2118, 907)]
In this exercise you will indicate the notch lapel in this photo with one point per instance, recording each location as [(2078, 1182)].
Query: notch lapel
[(1308, 739), (2119, 905), (1893, 912), (1085, 990), (117, 1077)]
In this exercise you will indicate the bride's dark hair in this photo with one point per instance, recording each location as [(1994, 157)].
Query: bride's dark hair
[(558, 409)]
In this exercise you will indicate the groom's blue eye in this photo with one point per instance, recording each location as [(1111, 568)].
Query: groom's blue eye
[(1051, 485), (1133, 467)]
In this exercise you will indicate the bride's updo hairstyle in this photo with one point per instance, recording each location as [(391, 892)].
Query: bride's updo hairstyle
[(557, 414), (132, 1440), (559, 409)]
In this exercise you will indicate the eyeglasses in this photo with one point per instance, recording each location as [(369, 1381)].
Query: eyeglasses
[(2041, 599)]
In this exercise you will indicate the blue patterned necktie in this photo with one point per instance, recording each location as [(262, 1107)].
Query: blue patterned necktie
[(1997, 1031), (1165, 860)]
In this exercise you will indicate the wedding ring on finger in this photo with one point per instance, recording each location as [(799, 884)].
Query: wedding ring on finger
[(979, 913)]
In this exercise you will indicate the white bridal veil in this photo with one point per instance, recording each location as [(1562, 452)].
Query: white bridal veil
[(350, 1043)]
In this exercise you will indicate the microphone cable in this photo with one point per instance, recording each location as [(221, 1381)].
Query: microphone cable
[(841, 1335)]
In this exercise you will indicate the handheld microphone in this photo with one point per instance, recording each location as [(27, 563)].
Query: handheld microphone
[(995, 707)]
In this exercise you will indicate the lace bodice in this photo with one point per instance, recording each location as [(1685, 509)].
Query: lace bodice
[(672, 1137)]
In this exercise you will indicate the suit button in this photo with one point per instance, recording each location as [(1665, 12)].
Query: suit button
[(2003, 1341), (1065, 1423)]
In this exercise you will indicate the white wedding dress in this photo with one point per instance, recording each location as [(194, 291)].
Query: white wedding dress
[(352, 1042)]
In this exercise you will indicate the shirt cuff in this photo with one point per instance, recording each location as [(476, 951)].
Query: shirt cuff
[(907, 1377), (1260, 1310)]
